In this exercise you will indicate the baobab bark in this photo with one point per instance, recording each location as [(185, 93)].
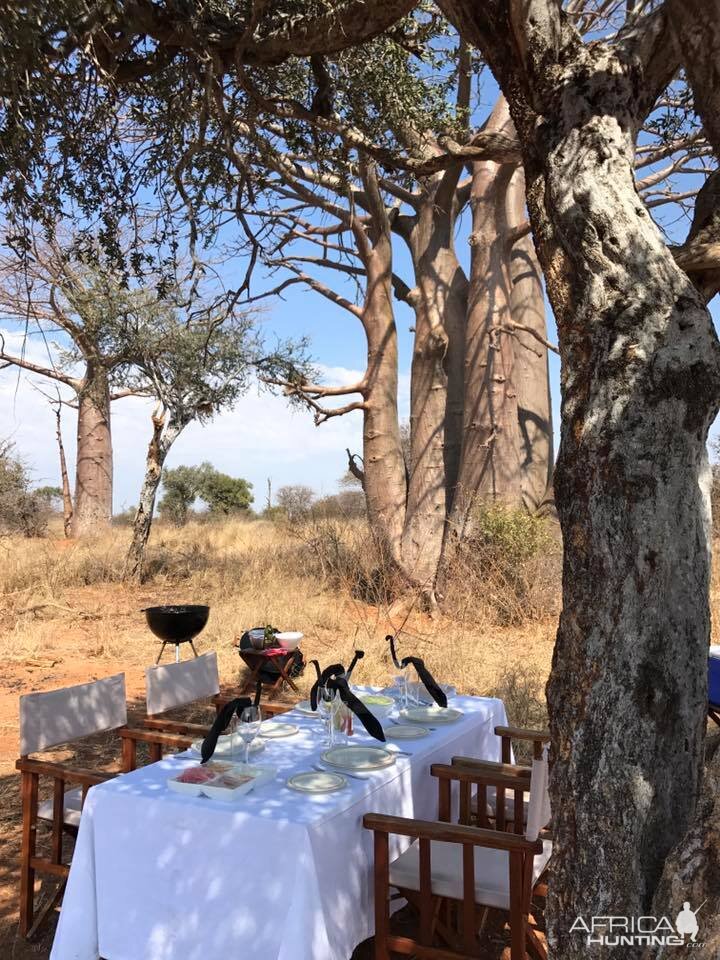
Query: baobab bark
[(94, 476), (440, 303), (531, 374), (490, 460), (640, 386), (161, 441), (384, 480)]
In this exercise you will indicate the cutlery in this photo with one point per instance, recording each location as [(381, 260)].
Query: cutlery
[(404, 723), (353, 776)]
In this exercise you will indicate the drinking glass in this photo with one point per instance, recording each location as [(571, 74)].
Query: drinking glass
[(326, 697), (249, 728)]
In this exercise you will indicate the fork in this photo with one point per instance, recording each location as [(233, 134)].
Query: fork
[(353, 776)]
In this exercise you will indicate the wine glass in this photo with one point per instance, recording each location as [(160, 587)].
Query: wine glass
[(326, 708), (249, 728)]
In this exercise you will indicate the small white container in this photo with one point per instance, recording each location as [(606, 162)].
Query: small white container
[(219, 790), (290, 640), (189, 789)]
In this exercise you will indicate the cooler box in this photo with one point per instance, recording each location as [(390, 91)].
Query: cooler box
[(714, 676)]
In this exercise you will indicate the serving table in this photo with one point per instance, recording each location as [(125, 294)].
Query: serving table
[(279, 875)]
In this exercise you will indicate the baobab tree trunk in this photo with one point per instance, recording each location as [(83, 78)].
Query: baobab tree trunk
[(531, 375), (94, 469), (160, 443), (66, 495), (490, 461), (440, 302), (383, 462)]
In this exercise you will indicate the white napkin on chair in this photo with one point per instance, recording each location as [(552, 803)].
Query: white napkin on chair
[(539, 812)]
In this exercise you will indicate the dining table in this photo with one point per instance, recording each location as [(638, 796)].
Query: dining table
[(276, 875)]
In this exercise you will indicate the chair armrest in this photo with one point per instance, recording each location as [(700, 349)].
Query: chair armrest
[(157, 737), (518, 778), (450, 833), (194, 730), (48, 768), (492, 766), (521, 733)]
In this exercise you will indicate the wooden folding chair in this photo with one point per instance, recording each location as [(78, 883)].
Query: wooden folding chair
[(454, 873), (500, 806), (173, 685), (48, 720)]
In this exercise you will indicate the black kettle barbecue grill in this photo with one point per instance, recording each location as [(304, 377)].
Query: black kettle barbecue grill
[(177, 624)]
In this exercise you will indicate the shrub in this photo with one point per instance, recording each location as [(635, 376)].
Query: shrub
[(508, 570), (510, 535), (522, 690), (22, 510)]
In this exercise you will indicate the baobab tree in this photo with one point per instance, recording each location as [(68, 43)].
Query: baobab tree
[(54, 291)]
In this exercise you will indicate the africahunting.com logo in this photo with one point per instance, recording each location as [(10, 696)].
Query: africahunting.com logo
[(641, 931)]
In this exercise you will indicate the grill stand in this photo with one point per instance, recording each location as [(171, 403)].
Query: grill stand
[(177, 649)]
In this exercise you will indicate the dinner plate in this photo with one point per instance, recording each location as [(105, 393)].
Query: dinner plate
[(305, 707), (405, 731), (223, 747), (432, 714), (358, 758), (275, 728), (317, 782)]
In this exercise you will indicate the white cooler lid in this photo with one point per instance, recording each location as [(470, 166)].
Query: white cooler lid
[(715, 651)]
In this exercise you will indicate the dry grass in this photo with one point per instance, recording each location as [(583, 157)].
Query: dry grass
[(323, 578)]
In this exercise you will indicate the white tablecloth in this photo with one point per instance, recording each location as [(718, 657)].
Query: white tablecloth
[(278, 876)]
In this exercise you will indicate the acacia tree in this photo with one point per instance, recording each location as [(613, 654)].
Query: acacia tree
[(196, 367)]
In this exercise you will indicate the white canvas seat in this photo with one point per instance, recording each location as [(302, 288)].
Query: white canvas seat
[(72, 806), (172, 685), (492, 872)]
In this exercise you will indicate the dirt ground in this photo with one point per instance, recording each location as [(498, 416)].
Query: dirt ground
[(67, 633)]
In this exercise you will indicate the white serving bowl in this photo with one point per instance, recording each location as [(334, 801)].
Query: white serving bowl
[(290, 640), (380, 709)]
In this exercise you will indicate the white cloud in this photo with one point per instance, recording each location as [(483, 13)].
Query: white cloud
[(261, 437)]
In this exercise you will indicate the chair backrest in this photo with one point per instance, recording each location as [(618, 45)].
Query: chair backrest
[(539, 812), (177, 684), (58, 716)]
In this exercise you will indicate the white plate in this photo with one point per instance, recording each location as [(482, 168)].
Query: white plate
[(305, 707), (432, 714), (405, 731), (222, 750), (317, 782), (274, 728), (358, 758)]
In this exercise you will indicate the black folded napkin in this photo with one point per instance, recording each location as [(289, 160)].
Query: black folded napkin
[(427, 678), (222, 721), (336, 678)]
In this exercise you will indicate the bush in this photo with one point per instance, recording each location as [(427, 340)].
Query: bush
[(522, 690), (508, 570), (512, 536), (22, 510)]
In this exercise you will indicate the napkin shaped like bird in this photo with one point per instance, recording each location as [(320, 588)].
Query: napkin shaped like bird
[(431, 685), (222, 721), (336, 678)]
